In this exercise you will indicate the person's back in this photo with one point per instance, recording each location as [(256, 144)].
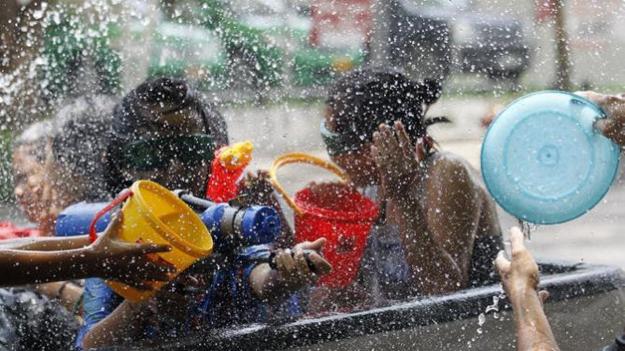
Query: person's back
[(488, 235)]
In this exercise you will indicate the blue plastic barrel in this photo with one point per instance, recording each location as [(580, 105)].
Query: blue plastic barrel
[(75, 219)]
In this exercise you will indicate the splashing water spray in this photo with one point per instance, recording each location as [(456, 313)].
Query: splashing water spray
[(527, 228)]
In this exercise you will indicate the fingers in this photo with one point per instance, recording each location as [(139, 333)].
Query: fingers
[(152, 248), (160, 271), (388, 138), (609, 128), (303, 271), (285, 263), (421, 151), (381, 140), (404, 140), (140, 284), (543, 296), (502, 263), (262, 174), (603, 125), (516, 239), (386, 152), (321, 265), (375, 153), (597, 98), (316, 245), (117, 219)]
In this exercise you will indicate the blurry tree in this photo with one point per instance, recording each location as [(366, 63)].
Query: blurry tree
[(79, 58), (55, 50), (553, 11), (168, 7), (563, 64), (15, 45), (247, 48)]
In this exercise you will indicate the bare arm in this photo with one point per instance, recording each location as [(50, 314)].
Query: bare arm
[(27, 267), (439, 245), (67, 292), (106, 258), (125, 323), (532, 327), (292, 272), (436, 238), (520, 281), (47, 243)]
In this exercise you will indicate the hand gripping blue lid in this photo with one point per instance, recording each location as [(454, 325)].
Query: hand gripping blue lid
[(544, 162)]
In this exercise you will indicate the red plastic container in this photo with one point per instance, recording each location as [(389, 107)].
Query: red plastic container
[(334, 211), (345, 219)]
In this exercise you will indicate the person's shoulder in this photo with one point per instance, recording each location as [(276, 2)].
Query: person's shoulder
[(446, 164)]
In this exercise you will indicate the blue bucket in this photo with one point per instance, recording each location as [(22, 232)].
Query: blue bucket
[(544, 162)]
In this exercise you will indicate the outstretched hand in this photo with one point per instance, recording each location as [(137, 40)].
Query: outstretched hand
[(134, 264), (303, 265), (520, 275), (399, 162), (613, 126)]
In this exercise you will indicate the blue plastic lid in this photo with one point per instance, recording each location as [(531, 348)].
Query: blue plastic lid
[(544, 162), (75, 219)]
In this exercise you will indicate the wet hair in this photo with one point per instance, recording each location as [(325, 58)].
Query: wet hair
[(79, 143), (363, 99), (136, 117)]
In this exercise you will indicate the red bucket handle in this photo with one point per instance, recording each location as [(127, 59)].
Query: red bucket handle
[(123, 196), (300, 157)]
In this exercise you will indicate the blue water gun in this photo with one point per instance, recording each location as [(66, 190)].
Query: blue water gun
[(231, 226)]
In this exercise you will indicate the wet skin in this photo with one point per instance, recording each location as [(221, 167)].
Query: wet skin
[(34, 189), (438, 202)]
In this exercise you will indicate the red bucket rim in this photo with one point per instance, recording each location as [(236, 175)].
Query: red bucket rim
[(367, 214)]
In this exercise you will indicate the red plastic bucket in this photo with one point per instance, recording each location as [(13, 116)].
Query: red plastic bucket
[(334, 211)]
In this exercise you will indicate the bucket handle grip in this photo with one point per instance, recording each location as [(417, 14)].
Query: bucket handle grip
[(123, 196), (300, 157)]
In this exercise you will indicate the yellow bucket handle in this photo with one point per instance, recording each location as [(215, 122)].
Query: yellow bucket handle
[(300, 157)]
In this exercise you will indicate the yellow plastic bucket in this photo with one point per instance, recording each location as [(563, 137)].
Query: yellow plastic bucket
[(153, 214)]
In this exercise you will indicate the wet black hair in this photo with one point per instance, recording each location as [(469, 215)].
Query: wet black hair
[(79, 141), (135, 118), (363, 99)]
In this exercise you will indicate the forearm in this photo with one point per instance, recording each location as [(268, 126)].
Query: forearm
[(533, 329), (67, 292), (33, 267), (47, 244), (124, 324)]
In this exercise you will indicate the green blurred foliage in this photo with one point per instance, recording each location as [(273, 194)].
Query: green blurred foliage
[(71, 46)]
